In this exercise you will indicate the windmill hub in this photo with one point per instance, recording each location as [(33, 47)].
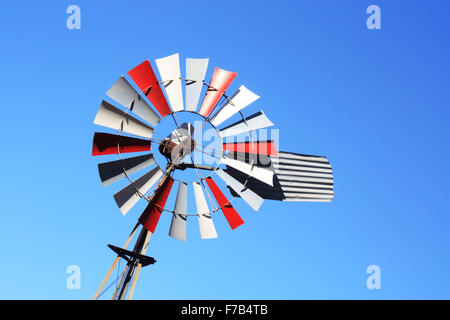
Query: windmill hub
[(177, 147), (191, 139)]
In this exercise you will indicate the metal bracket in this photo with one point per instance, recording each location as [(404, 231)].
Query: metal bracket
[(127, 255)]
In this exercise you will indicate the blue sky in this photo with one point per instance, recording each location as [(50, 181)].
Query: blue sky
[(375, 102)]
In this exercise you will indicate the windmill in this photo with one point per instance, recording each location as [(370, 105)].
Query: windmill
[(251, 169)]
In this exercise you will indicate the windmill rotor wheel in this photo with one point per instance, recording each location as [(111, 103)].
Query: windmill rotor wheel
[(153, 155), (142, 103)]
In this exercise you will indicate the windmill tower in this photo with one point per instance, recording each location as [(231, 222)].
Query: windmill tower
[(248, 168)]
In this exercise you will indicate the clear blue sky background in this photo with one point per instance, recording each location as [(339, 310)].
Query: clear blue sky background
[(376, 103)]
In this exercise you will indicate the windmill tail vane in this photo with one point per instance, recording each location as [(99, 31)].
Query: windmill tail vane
[(140, 106)]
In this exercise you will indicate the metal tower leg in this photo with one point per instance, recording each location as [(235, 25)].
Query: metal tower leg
[(99, 290), (132, 263), (136, 259)]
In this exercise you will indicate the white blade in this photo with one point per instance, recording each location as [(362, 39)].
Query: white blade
[(129, 196), (114, 118), (252, 199), (195, 71), (256, 172), (207, 230), (242, 98), (178, 225), (169, 69), (123, 93), (254, 122)]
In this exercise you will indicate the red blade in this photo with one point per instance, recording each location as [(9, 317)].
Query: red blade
[(106, 143), (150, 217), (233, 218), (258, 147), (220, 82), (145, 78)]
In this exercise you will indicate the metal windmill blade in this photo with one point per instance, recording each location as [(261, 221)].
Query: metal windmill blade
[(195, 75), (152, 161), (123, 93)]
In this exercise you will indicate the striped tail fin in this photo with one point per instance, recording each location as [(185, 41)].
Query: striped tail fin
[(297, 177)]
